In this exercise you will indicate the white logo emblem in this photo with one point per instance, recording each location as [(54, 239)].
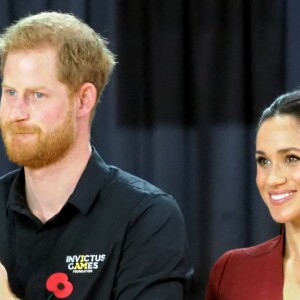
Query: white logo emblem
[(84, 263)]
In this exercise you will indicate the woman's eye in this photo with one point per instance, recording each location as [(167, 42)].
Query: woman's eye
[(262, 161), (292, 159)]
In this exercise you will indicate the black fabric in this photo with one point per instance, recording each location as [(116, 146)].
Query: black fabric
[(117, 237), (181, 108), (181, 58)]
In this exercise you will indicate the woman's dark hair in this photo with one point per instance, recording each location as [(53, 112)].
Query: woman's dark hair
[(286, 104)]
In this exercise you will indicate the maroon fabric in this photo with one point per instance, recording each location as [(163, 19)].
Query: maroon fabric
[(248, 273)]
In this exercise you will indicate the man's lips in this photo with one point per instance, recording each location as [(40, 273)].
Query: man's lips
[(21, 132)]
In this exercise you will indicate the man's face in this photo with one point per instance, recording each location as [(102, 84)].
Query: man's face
[(37, 117)]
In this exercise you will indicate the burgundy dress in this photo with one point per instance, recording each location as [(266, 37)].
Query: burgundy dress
[(254, 273)]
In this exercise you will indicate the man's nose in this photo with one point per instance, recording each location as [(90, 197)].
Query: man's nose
[(19, 110)]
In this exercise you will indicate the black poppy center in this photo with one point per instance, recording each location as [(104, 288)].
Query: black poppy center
[(60, 286)]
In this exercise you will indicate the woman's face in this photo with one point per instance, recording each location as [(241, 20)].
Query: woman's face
[(278, 167)]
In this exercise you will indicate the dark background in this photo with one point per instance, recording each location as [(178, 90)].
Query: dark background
[(181, 109)]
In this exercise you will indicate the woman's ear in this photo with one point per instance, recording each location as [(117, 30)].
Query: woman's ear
[(87, 97)]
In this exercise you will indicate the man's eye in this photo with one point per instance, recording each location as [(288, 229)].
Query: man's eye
[(11, 92), (39, 95)]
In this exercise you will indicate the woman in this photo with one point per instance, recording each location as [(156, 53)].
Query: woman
[(271, 270)]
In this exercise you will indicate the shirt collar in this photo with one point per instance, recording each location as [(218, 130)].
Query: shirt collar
[(16, 196), (90, 183), (85, 193)]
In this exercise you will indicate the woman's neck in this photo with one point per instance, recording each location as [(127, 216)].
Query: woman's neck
[(292, 241)]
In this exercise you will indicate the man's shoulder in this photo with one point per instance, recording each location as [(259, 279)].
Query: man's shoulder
[(7, 179), (5, 186), (126, 183), (131, 193), (117, 180)]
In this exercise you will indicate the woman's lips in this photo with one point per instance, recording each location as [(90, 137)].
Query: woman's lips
[(281, 198)]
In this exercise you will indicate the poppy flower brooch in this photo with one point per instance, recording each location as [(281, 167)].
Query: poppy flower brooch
[(59, 285)]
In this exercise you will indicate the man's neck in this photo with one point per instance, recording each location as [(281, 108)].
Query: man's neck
[(49, 188)]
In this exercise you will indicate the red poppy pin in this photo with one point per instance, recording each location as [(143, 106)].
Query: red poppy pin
[(59, 285)]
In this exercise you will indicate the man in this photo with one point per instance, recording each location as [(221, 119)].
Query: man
[(72, 226)]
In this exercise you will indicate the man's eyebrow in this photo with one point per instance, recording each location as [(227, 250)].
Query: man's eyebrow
[(34, 88), (3, 84)]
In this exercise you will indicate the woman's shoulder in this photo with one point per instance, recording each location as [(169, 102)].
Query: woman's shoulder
[(264, 247), (237, 271), (260, 249), (241, 254)]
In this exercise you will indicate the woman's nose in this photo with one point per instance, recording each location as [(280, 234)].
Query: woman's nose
[(276, 176)]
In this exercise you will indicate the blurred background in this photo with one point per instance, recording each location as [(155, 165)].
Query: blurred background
[(180, 111)]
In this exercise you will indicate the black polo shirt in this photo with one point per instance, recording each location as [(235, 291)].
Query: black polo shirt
[(117, 237)]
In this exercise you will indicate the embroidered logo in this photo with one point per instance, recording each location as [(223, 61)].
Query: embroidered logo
[(85, 263)]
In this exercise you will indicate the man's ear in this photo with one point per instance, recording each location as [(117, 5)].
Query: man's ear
[(87, 97)]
